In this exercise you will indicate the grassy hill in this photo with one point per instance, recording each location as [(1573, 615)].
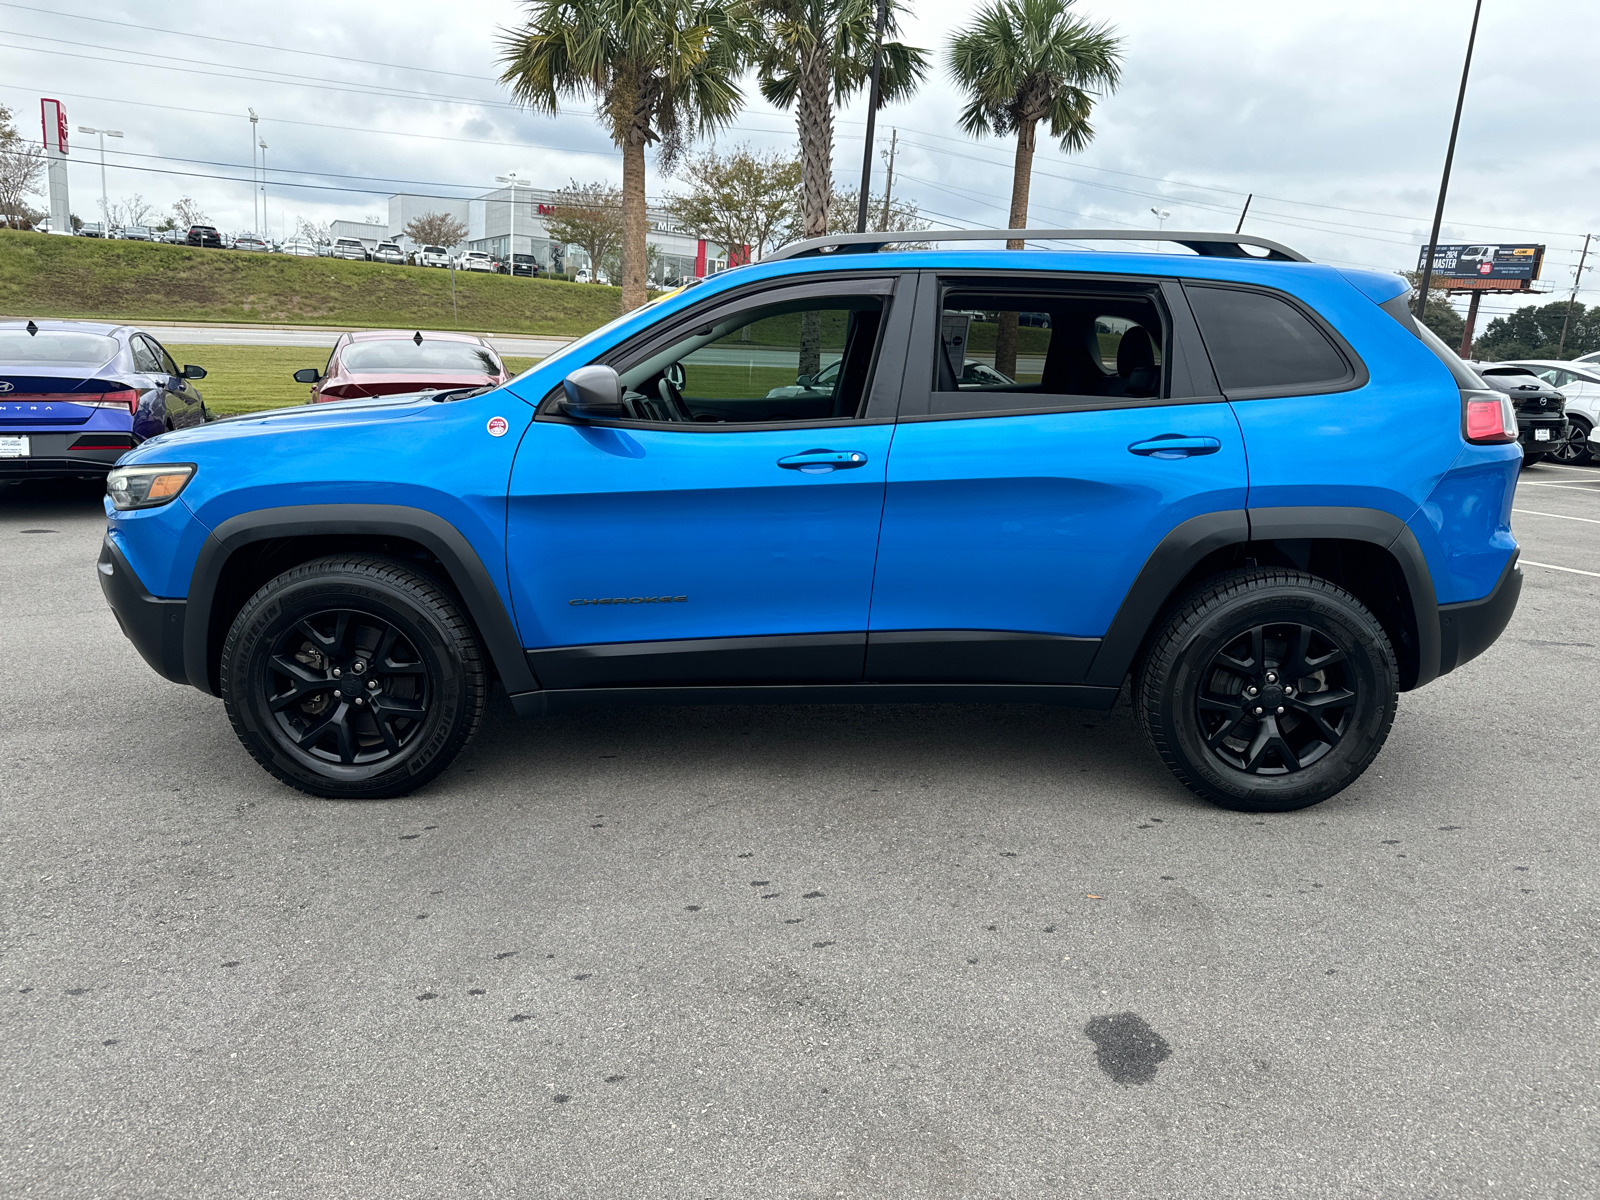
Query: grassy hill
[(42, 276)]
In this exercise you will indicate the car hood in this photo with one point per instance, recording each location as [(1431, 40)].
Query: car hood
[(174, 446)]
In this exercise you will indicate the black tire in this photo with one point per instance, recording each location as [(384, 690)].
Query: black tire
[(353, 678), (1575, 449), (1242, 630)]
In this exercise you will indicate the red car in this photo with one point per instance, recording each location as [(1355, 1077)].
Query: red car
[(384, 362)]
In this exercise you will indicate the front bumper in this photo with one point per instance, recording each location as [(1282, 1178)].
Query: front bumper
[(1467, 630), (153, 625)]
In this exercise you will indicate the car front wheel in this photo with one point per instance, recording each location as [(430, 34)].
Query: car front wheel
[(1268, 690), (353, 678)]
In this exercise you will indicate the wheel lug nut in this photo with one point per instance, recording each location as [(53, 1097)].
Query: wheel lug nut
[(337, 672), (1280, 708), (1258, 712), (1288, 691), (1252, 691), (1271, 678), (360, 702), (358, 666), (372, 685)]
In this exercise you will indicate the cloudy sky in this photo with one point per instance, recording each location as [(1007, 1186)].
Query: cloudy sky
[(1335, 115)]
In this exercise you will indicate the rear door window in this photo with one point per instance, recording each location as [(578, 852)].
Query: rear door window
[(1261, 344), (145, 357)]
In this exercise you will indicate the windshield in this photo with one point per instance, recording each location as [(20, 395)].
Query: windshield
[(56, 347), (403, 355)]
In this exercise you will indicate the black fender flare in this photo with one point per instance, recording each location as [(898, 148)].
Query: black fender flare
[(1181, 550), (442, 539)]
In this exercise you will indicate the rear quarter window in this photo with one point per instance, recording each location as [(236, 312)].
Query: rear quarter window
[(1264, 345)]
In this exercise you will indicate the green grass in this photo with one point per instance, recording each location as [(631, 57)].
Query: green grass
[(242, 379), (42, 276)]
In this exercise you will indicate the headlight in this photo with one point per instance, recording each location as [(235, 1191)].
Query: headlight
[(147, 486)]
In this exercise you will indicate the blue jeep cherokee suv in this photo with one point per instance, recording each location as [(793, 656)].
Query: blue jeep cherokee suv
[(1250, 482)]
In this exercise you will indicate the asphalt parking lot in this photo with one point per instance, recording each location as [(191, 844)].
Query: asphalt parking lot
[(795, 952)]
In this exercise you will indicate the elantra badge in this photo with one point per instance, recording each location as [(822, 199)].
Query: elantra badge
[(498, 427)]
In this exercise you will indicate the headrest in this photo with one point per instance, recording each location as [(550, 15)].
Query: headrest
[(1136, 352)]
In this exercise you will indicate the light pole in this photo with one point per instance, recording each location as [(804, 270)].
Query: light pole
[(1161, 216), (105, 204), (511, 254), (1449, 157), (874, 96), (266, 221), (254, 218)]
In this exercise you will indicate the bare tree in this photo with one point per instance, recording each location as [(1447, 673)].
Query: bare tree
[(21, 165), (741, 199), (904, 215), (589, 216), (436, 229), (316, 231), (186, 213), (131, 210)]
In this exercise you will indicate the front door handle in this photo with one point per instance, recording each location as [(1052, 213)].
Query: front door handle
[(1175, 445), (819, 462)]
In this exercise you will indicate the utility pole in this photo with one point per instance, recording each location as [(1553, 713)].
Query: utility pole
[(1244, 212), (1471, 326), (1577, 277), (1449, 157), (874, 95), (888, 178), (255, 218), (105, 203), (266, 221)]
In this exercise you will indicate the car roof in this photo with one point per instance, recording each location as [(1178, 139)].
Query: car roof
[(101, 327), (392, 335)]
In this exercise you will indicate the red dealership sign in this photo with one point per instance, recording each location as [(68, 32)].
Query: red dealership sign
[(53, 116)]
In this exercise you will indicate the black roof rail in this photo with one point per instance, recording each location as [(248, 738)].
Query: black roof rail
[(1207, 245)]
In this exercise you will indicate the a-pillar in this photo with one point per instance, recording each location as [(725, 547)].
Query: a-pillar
[(1472, 321)]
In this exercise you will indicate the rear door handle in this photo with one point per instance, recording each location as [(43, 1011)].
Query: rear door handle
[(819, 462), (1175, 445)]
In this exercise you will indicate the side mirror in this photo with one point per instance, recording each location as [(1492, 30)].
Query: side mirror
[(307, 375), (802, 381), (193, 372), (594, 393)]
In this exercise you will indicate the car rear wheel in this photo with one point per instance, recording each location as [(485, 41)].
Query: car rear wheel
[(353, 678), (1268, 690), (1574, 449)]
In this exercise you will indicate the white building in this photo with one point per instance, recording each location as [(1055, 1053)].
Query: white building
[(490, 219)]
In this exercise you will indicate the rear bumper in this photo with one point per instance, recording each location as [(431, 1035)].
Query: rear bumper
[(1554, 425), (153, 625), (50, 456), (1467, 630)]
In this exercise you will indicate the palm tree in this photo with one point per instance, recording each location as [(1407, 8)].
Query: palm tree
[(815, 55), (660, 72), (1021, 62)]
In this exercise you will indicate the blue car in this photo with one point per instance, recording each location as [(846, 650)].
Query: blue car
[(1247, 487), (77, 395)]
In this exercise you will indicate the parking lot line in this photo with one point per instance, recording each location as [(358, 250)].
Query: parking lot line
[(1552, 567), (1559, 467), (1529, 512), (1571, 487)]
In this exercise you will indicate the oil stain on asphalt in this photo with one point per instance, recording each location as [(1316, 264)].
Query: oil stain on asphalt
[(1126, 1048)]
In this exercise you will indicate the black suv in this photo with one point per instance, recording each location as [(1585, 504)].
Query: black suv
[(204, 235), (1541, 410)]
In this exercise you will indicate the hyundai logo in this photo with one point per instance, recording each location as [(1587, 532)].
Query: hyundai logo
[(5, 387)]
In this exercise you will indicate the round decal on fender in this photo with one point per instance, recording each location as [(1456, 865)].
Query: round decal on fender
[(498, 427)]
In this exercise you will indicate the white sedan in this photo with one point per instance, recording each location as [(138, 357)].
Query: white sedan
[(1579, 382)]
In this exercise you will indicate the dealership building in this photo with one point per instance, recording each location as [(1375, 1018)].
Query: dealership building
[(495, 219)]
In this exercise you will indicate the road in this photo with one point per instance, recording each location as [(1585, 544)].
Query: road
[(795, 952), (312, 335)]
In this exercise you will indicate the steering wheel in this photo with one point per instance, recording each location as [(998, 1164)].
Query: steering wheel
[(668, 391)]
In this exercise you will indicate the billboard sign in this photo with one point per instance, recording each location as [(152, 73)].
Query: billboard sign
[(54, 119), (1482, 261)]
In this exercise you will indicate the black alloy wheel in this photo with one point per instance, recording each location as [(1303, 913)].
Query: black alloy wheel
[(1267, 689), (347, 687), (1574, 448), (1275, 699), (353, 678)]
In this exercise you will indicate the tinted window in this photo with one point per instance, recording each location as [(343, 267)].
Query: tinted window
[(144, 357), (1002, 348), (403, 355), (1260, 341), (55, 346)]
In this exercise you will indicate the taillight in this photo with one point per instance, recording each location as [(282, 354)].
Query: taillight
[(1488, 418), (124, 398)]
